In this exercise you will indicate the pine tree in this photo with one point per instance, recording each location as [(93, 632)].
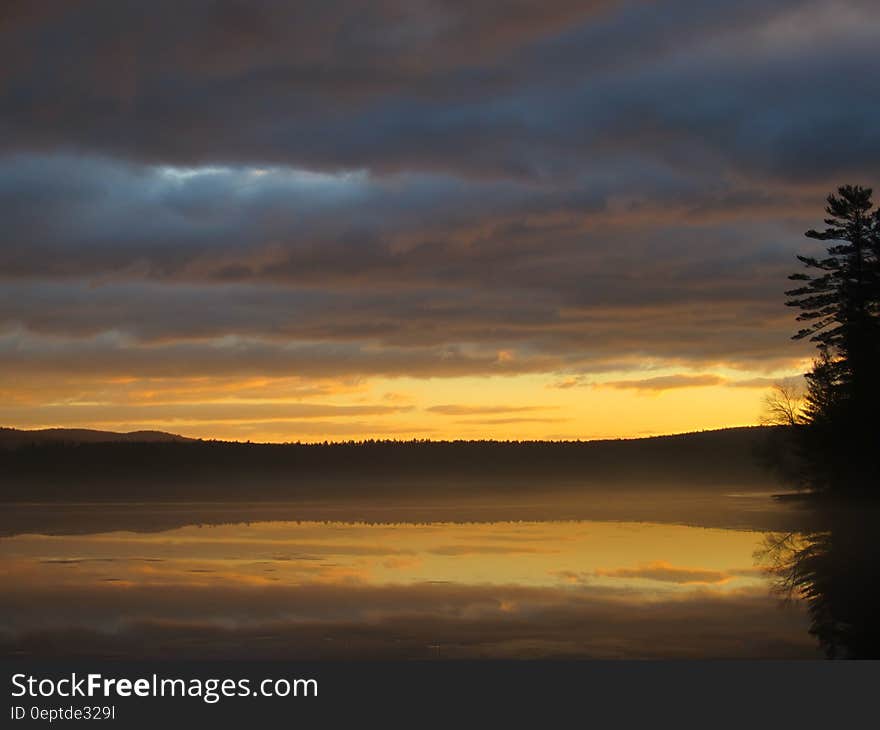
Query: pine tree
[(840, 305)]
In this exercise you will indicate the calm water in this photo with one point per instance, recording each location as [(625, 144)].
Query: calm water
[(437, 588)]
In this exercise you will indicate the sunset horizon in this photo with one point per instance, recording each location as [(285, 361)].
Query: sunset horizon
[(572, 256), (62, 431), (447, 355), (659, 405)]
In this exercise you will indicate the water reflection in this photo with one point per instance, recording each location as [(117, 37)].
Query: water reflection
[(835, 569), (329, 589)]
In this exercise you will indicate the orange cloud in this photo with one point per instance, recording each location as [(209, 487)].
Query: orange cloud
[(661, 570), (666, 382)]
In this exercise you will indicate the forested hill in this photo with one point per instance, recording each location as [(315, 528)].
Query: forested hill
[(14, 438), (169, 467)]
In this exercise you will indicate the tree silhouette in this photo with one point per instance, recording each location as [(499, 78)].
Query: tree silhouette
[(834, 567), (784, 405), (839, 301)]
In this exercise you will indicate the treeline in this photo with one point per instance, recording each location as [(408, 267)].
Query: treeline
[(839, 302), (231, 470)]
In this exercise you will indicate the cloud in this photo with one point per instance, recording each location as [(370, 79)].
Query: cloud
[(111, 355), (468, 410), (431, 190), (511, 420), (665, 572), (501, 90), (665, 382), (68, 414)]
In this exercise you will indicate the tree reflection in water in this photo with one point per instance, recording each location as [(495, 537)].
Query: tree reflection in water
[(835, 568)]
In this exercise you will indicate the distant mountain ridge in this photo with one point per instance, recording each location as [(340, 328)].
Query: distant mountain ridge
[(14, 437), (82, 464), (18, 437)]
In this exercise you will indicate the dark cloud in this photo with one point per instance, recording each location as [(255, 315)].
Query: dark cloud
[(503, 89), (431, 189), (295, 72), (106, 356), (287, 255)]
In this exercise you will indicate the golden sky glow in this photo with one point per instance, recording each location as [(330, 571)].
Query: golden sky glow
[(548, 406)]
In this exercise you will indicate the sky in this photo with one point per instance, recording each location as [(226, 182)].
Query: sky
[(417, 218)]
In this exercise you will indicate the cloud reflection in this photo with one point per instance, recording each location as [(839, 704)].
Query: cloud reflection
[(358, 590)]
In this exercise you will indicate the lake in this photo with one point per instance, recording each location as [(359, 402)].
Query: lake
[(601, 576)]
